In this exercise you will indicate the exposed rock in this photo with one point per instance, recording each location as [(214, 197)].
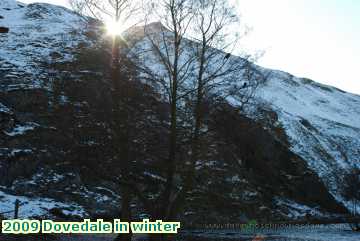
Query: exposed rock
[(55, 55), (4, 30)]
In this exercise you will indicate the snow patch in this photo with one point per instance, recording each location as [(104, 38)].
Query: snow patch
[(4, 109), (22, 129), (36, 207), (295, 210)]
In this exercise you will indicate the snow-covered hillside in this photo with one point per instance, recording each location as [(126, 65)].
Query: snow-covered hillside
[(37, 33), (322, 124)]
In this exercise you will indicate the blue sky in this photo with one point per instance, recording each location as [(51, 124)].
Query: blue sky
[(317, 39)]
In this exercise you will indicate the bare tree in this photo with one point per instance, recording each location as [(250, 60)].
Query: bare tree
[(187, 56), (212, 17), (167, 43), (218, 75), (116, 10), (120, 12)]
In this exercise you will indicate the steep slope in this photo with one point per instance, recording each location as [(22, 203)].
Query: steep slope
[(37, 33), (322, 124)]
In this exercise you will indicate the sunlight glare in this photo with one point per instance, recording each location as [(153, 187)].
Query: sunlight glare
[(114, 28)]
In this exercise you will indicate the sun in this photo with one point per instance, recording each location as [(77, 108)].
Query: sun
[(115, 28)]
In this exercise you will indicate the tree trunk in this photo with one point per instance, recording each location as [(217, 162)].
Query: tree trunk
[(171, 162), (179, 201), (121, 133), (195, 145), (198, 117), (166, 203)]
